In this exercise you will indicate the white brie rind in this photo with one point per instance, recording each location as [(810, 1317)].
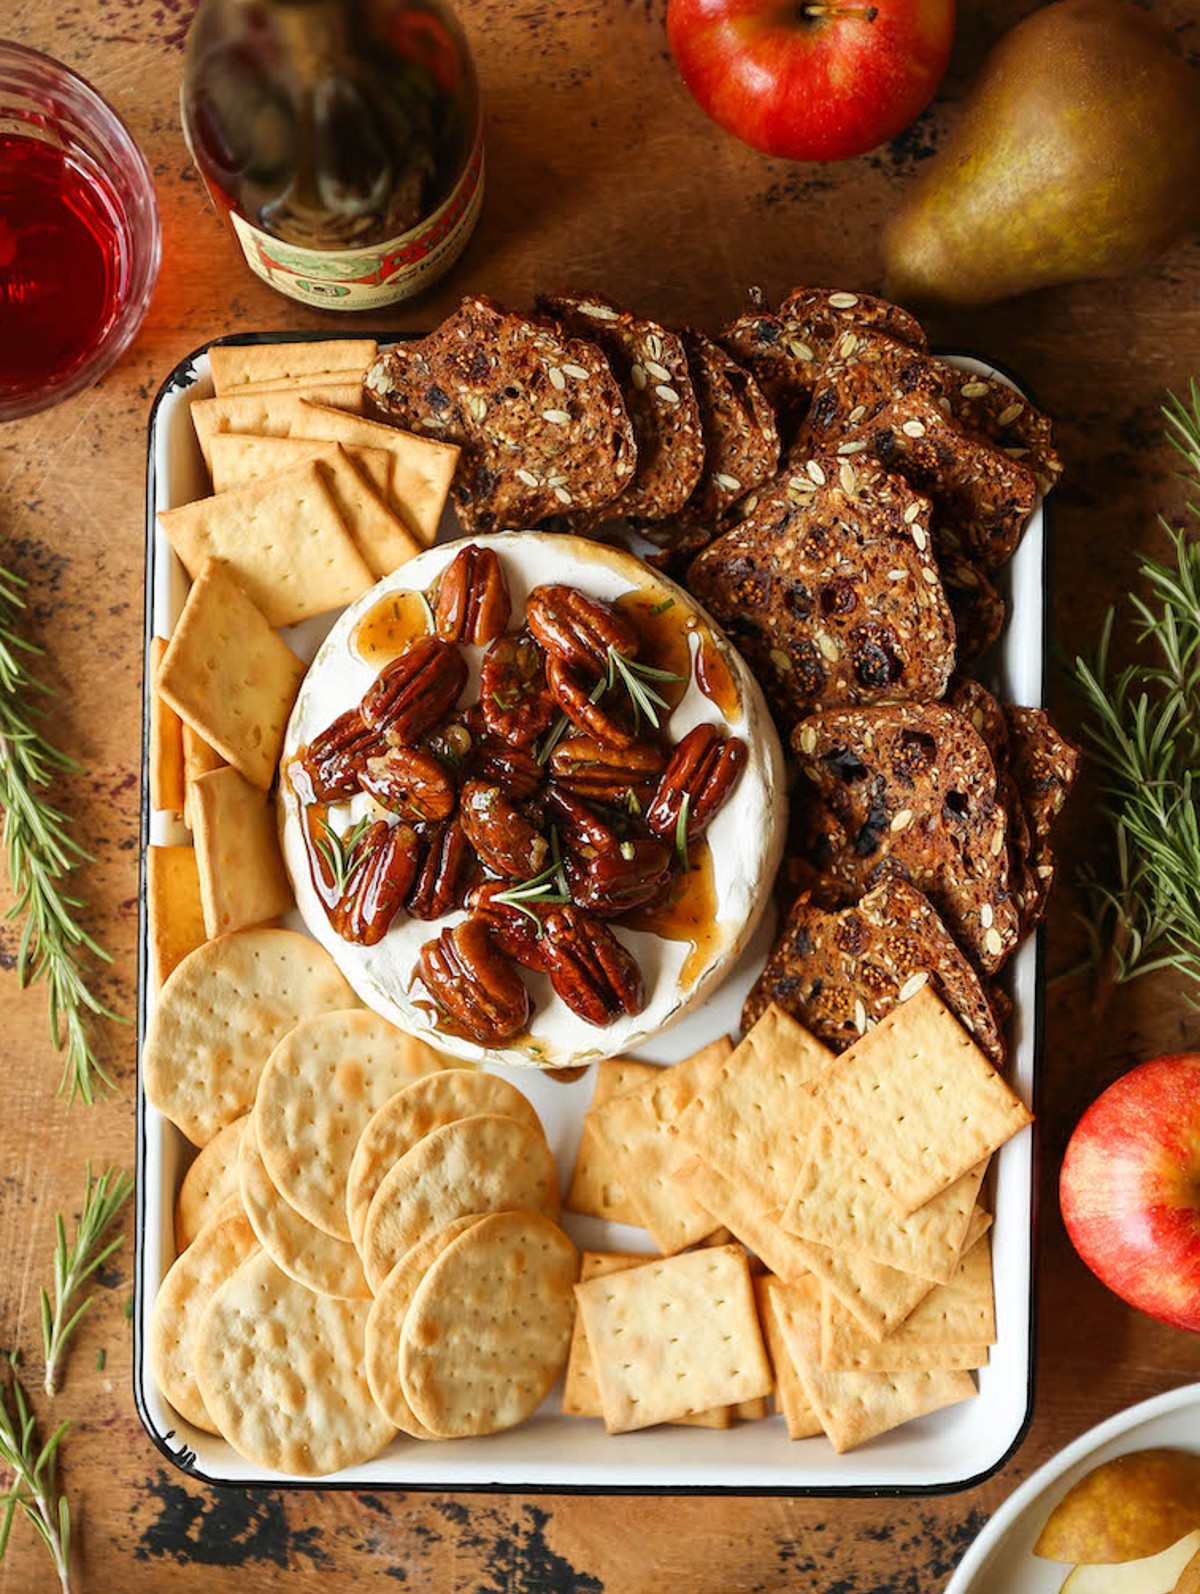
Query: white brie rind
[(746, 837)]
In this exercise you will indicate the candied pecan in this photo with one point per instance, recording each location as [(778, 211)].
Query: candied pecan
[(444, 872), (593, 771), (595, 975), (411, 694), (477, 991), (516, 703), (514, 769), (414, 785), (577, 629), (500, 833), (517, 931), (637, 875), (576, 699), (704, 768), (583, 833), (334, 760), (472, 597), (385, 863)]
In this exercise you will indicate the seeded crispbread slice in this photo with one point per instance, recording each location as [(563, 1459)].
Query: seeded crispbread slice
[(238, 458), (595, 1191), (581, 1392), (283, 539), (790, 1400), (1044, 766), (165, 757), (486, 1163), (855, 1407), (650, 366), (305, 1253), (241, 875), (538, 415), (741, 445), (677, 1336), (951, 1328), (489, 1325), (838, 972), (175, 916), (230, 676), (218, 1251), (221, 1015), (210, 1181), (830, 588), (978, 609), (835, 1204), (910, 789), (265, 414), (878, 1297), (316, 1093), (647, 1156), (233, 365), (442, 1096), (386, 1320), (744, 1124), (917, 1103), (281, 1371)]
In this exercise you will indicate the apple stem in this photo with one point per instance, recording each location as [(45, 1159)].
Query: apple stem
[(864, 13)]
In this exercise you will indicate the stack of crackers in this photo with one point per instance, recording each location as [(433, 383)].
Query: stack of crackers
[(311, 505), (853, 1182), (366, 1239)]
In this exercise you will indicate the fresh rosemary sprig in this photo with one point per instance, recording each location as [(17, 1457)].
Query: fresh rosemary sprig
[(1144, 733), (635, 678), (32, 1486), (73, 1265), (681, 829), (341, 852), (552, 738), (548, 889), (41, 854)]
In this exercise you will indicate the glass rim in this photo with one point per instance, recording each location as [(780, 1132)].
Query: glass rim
[(140, 219)]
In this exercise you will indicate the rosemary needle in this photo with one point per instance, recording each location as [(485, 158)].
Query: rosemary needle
[(41, 854), (73, 1265), (31, 1488)]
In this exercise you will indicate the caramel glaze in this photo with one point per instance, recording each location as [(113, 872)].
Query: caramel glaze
[(715, 678), (390, 625), (689, 913)]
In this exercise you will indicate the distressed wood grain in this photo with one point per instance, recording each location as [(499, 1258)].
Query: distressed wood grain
[(602, 173)]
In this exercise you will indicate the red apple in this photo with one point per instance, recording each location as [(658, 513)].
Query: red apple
[(1130, 1188), (812, 81)]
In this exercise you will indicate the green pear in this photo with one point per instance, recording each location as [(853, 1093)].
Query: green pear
[(1077, 155)]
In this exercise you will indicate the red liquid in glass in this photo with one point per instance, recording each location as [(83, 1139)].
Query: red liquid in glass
[(62, 262)]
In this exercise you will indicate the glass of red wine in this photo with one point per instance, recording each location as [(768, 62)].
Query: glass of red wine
[(79, 233)]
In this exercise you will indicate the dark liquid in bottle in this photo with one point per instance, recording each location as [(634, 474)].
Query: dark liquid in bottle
[(62, 262)]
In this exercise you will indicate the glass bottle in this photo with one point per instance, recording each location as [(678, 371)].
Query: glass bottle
[(341, 140)]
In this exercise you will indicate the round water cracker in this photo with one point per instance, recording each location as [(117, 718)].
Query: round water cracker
[(281, 1372), (415, 1112), (482, 1164), (319, 1087), (217, 1252), (221, 1014), (307, 1254), (208, 1184), (386, 1319), (489, 1326)]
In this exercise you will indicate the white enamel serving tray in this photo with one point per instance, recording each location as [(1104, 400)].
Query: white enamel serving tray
[(1001, 1560), (949, 1450)]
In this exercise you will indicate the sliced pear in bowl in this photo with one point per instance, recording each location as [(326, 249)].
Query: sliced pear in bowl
[(1152, 1574), (1189, 1579), (1125, 1510)]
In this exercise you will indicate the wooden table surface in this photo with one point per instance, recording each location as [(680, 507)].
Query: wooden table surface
[(602, 173)]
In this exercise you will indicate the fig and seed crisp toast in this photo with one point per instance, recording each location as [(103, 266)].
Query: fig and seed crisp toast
[(650, 365), (786, 352), (830, 588), (741, 446), (910, 789), (538, 416), (839, 972), (1043, 766)]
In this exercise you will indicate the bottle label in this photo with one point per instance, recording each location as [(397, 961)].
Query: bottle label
[(365, 279)]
